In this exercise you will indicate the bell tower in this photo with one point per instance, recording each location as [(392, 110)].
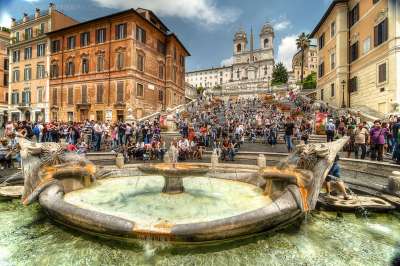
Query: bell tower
[(267, 36), (239, 42)]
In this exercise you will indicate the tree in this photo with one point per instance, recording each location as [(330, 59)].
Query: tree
[(303, 42), (310, 82), (279, 75), (200, 90)]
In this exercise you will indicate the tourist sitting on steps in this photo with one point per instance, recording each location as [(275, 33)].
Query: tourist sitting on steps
[(333, 178)]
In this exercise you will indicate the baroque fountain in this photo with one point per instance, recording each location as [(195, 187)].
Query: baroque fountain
[(188, 203)]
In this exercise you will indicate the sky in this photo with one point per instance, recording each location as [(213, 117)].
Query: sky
[(206, 27)]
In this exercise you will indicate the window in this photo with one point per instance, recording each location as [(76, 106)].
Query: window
[(26, 96), (120, 60), (354, 15), (28, 53), (100, 35), (41, 29), (266, 41), (99, 116), (139, 90), (84, 94), (14, 97), (85, 66), (5, 81), (27, 73), (120, 31), (182, 58), (140, 62), (333, 28), (17, 36), (353, 84), (39, 94), (321, 41), (85, 39), (367, 45), (41, 49), (161, 71), (6, 65), (40, 71), (161, 47), (321, 69), (333, 61), (120, 91), (160, 95), (322, 94), (381, 33), (55, 46), (15, 56), (70, 95), (333, 90), (70, 68), (99, 93), (140, 34), (354, 52), (54, 70), (382, 73), (54, 98), (28, 34), (70, 116), (15, 75), (71, 42), (100, 63), (174, 74), (239, 48)]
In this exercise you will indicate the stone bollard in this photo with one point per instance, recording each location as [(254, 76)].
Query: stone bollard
[(261, 161), (394, 183), (119, 160), (214, 160)]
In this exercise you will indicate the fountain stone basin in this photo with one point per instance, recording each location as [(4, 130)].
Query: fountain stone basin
[(173, 174)]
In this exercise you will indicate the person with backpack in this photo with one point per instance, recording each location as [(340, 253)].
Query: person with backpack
[(330, 129)]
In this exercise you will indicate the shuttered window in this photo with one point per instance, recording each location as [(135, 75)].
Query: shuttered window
[(84, 94), (381, 33), (120, 91), (140, 62), (354, 52), (353, 84), (70, 95), (55, 96), (99, 93), (354, 15), (141, 35), (139, 90), (382, 73), (120, 31)]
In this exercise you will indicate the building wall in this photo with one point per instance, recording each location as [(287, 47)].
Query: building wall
[(4, 65), (380, 96), (133, 103), (37, 108), (310, 63)]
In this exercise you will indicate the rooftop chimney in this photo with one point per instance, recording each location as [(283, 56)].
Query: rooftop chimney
[(37, 13), (25, 19), (52, 7)]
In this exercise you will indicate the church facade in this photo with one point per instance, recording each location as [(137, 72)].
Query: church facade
[(251, 67)]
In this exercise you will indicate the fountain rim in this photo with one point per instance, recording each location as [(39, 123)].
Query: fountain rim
[(285, 207)]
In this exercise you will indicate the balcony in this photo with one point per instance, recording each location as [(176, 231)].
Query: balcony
[(24, 105), (120, 105), (83, 106)]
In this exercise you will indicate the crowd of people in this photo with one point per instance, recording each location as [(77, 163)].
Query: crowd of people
[(214, 125)]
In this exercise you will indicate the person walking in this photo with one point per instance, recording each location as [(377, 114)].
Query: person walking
[(330, 129), (289, 131), (377, 141)]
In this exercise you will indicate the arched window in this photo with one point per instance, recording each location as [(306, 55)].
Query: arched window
[(239, 48), (70, 68), (266, 41), (85, 65)]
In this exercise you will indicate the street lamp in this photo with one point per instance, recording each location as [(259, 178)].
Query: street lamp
[(343, 103), (269, 86)]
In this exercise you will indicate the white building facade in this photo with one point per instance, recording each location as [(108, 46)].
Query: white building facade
[(249, 66)]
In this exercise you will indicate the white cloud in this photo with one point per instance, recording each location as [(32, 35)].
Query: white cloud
[(5, 19), (31, 1), (287, 48), (204, 11), (227, 61), (282, 25)]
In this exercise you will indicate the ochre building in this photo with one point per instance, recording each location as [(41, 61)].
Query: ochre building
[(359, 55), (4, 66), (118, 67)]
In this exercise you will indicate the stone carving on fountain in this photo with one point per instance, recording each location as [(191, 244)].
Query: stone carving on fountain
[(46, 163)]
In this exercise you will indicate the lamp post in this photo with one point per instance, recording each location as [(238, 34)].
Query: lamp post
[(343, 103), (269, 86)]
